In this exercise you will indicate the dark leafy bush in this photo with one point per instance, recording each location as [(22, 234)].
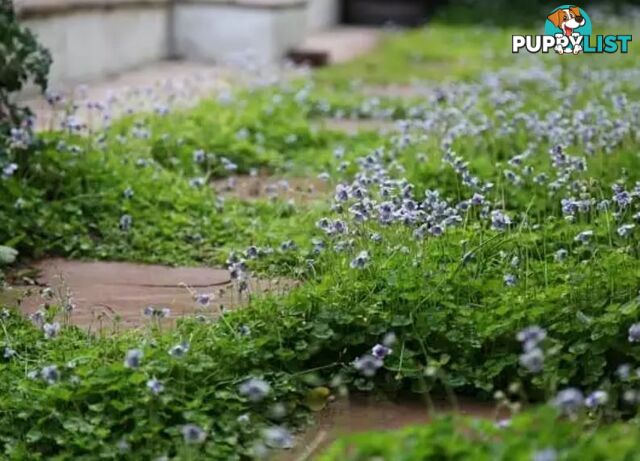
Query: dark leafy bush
[(22, 60)]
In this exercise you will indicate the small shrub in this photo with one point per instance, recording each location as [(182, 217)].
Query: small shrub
[(22, 60)]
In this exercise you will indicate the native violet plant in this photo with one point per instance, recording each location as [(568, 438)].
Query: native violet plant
[(487, 245)]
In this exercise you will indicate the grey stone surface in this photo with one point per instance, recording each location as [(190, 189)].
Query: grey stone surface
[(94, 44), (217, 32), (95, 39), (165, 83), (322, 14), (343, 43)]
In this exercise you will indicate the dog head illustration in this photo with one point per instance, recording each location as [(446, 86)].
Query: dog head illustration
[(567, 19)]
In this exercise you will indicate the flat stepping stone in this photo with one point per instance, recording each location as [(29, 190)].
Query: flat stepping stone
[(364, 414), (129, 274), (246, 187), (354, 126), (338, 44), (397, 91), (106, 292)]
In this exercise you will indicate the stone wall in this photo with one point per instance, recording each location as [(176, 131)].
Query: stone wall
[(213, 30), (91, 40), (322, 14), (94, 39)]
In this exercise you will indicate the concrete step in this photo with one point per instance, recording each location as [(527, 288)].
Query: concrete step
[(337, 45)]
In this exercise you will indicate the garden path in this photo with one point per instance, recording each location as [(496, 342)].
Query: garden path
[(354, 126), (260, 187), (360, 413), (108, 293), (166, 83), (341, 44), (183, 83), (413, 90)]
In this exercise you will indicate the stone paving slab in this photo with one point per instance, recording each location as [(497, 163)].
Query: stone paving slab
[(103, 292), (412, 91), (342, 43), (358, 414), (355, 126), (246, 187)]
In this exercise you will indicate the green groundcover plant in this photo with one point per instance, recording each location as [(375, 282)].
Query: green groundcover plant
[(537, 436), (487, 246)]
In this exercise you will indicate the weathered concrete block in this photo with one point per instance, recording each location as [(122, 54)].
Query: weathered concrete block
[(90, 40), (95, 39), (322, 14), (213, 30)]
